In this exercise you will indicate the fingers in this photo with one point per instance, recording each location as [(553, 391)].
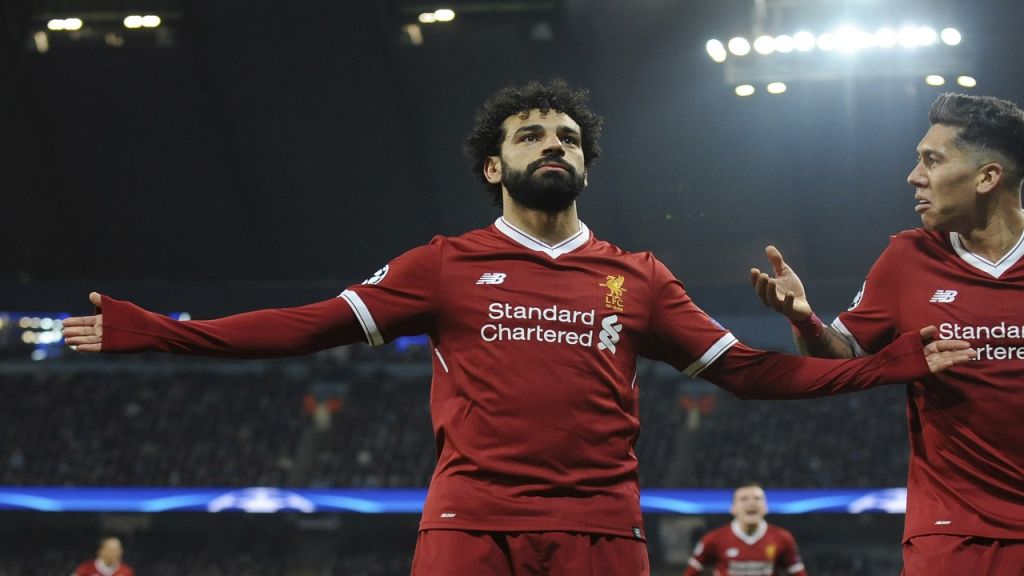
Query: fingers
[(927, 332), (83, 340), (95, 298), (74, 331), (79, 321), (88, 348), (775, 257)]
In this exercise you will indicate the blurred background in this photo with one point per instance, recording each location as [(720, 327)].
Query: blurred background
[(204, 158)]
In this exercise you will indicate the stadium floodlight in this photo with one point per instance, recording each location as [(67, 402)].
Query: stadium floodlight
[(950, 36), (803, 41), (745, 90), (784, 44), (150, 21), (764, 45), (427, 18), (776, 87), (444, 15), (133, 21), (850, 39), (885, 38), (934, 80), (739, 46), (926, 36), (966, 81), (907, 37), (827, 42), (716, 50), (68, 24)]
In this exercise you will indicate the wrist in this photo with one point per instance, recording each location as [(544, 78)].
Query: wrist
[(810, 328)]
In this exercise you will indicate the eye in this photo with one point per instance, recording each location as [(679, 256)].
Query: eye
[(529, 138), (571, 140)]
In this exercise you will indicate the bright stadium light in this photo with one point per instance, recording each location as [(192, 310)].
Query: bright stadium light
[(934, 80), (72, 24), (803, 41), (764, 45), (444, 15), (885, 38), (150, 21), (716, 50), (966, 81), (784, 44), (907, 37), (950, 36), (427, 18), (739, 46), (133, 21), (744, 90), (776, 87), (57, 24), (850, 39), (926, 36), (827, 41)]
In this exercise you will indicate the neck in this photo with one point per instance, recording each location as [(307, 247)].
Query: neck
[(749, 529), (994, 238), (551, 228)]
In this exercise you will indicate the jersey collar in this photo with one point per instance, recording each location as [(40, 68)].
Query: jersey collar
[(522, 238), (993, 269), (749, 539)]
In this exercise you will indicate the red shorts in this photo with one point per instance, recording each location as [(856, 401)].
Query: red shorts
[(952, 555), (458, 553)]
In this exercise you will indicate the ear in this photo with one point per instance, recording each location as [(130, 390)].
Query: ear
[(989, 177), (492, 169)]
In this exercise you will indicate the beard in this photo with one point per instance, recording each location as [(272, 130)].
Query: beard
[(551, 191)]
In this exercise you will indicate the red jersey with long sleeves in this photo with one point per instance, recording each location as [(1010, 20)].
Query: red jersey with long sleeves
[(729, 551), (97, 568), (966, 449), (534, 397)]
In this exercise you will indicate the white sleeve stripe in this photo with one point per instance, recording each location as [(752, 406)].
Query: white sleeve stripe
[(373, 335), (441, 358), (712, 354), (696, 565), (838, 326), (795, 568)]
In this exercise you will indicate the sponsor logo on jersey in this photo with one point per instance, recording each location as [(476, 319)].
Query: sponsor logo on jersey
[(378, 275), (613, 299), (492, 278), (609, 335), (1000, 341), (943, 296)]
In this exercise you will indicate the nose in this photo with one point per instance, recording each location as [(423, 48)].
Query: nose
[(916, 178), (553, 145)]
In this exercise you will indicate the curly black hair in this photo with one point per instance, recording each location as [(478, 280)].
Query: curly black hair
[(487, 135), (985, 123)]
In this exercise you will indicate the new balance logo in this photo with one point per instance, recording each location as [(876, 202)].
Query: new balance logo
[(943, 296), (492, 278), (609, 335)]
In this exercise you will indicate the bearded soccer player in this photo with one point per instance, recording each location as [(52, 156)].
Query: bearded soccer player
[(535, 327), (107, 562), (747, 546), (964, 272)]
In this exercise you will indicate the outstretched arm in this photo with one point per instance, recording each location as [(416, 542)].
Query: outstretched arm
[(751, 373), (120, 326), (785, 294)]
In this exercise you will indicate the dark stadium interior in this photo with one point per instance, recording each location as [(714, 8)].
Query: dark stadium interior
[(260, 154)]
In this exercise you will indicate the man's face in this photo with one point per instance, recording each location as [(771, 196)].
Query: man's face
[(541, 162), (110, 551), (946, 178), (749, 505)]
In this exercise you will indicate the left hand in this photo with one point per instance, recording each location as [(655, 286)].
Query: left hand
[(944, 354)]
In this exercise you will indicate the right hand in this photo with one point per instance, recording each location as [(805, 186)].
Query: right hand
[(85, 333), (784, 293)]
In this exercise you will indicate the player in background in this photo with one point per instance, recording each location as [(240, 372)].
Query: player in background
[(535, 327), (107, 561), (962, 271), (747, 546)]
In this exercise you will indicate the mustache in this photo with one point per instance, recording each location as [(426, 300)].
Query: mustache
[(551, 159)]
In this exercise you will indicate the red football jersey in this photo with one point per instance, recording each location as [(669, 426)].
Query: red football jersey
[(534, 398), (97, 568), (729, 551), (966, 450)]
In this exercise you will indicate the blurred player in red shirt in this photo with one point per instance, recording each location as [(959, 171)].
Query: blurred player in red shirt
[(747, 546), (535, 327), (107, 562), (963, 271)]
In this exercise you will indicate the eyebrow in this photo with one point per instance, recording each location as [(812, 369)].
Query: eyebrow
[(564, 129)]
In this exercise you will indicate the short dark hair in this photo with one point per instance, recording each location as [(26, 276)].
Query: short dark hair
[(985, 123), (487, 135)]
